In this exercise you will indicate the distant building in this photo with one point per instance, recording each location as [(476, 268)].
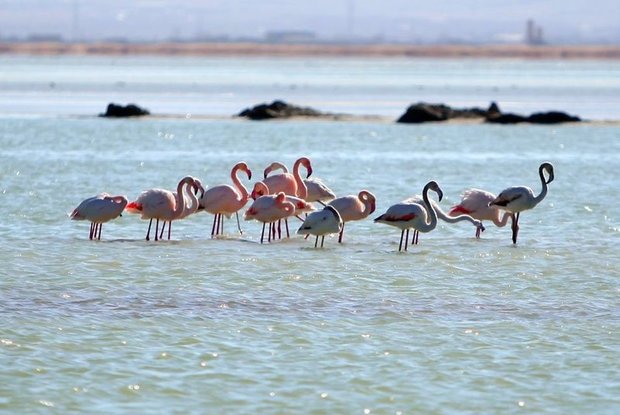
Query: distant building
[(533, 33), (290, 37)]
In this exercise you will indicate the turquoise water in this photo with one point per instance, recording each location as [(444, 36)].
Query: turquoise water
[(201, 325)]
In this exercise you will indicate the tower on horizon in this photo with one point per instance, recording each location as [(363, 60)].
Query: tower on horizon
[(533, 33)]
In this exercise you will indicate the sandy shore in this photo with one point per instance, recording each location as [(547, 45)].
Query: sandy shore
[(264, 49)]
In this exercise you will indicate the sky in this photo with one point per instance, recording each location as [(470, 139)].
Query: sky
[(468, 21)]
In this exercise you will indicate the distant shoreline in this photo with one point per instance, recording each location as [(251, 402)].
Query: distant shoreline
[(593, 52)]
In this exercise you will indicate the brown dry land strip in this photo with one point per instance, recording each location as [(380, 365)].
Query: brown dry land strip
[(265, 49)]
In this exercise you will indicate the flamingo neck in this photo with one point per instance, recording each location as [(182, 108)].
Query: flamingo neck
[(302, 189), (275, 166), (179, 207), (427, 227), (451, 219), (543, 192), (242, 190), (193, 200), (368, 202), (500, 223)]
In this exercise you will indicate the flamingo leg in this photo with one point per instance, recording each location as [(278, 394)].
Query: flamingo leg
[(262, 235), (213, 227), (288, 234), (271, 230), (341, 233), (99, 234), (156, 228), (161, 234), (238, 224), (92, 228), (322, 240), (221, 225), (279, 229), (417, 236), (515, 227), (400, 245), (406, 239), (148, 231), (316, 241), (169, 229)]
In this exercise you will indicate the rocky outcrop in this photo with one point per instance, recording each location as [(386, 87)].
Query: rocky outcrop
[(425, 112), (130, 110), (278, 109)]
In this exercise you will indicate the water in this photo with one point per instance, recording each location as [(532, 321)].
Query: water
[(195, 325)]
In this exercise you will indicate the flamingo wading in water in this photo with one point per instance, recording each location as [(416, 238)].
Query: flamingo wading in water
[(225, 199), (413, 215), (321, 223), (354, 207), (98, 210), (268, 209), (475, 203), (519, 198), (161, 204)]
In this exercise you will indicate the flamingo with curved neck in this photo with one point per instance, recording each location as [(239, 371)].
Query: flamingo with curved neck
[(353, 207), (291, 184), (225, 199), (160, 204), (516, 199), (190, 208), (420, 217)]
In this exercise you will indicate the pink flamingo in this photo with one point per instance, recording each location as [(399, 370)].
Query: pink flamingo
[(190, 208), (225, 199), (316, 190), (413, 215), (519, 198), (301, 206), (353, 208), (475, 203), (98, 210), (290, 184), (268, 209), (161, 204)]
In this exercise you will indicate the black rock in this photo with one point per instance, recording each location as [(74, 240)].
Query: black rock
[(130, 110), (552, 117), (278, 109), (506, 118), (423, 112)]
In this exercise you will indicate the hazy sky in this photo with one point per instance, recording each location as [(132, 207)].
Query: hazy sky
[(400, 20)]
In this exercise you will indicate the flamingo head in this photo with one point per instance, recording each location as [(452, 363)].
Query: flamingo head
[(198, 187), (243, 166), (432, 185), (305, 161), (366, 196), (260, 189), (548, 167), (274, 166)]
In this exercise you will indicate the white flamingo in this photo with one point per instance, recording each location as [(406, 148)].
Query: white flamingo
[(516, 199), (321, 223), (413, 215), (98, 210)]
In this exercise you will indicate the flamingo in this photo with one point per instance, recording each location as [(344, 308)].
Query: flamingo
[(190, 208), (317, 191), (225, 199), (516, 199), (98, 210), (446, 217), (161, 204), (268, 209), (301, 206), (354, 207), (475, 203), (413, 215), (321, 223), (290, 184)]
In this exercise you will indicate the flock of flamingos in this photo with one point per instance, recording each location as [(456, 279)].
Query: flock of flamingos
[(283, 195)]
